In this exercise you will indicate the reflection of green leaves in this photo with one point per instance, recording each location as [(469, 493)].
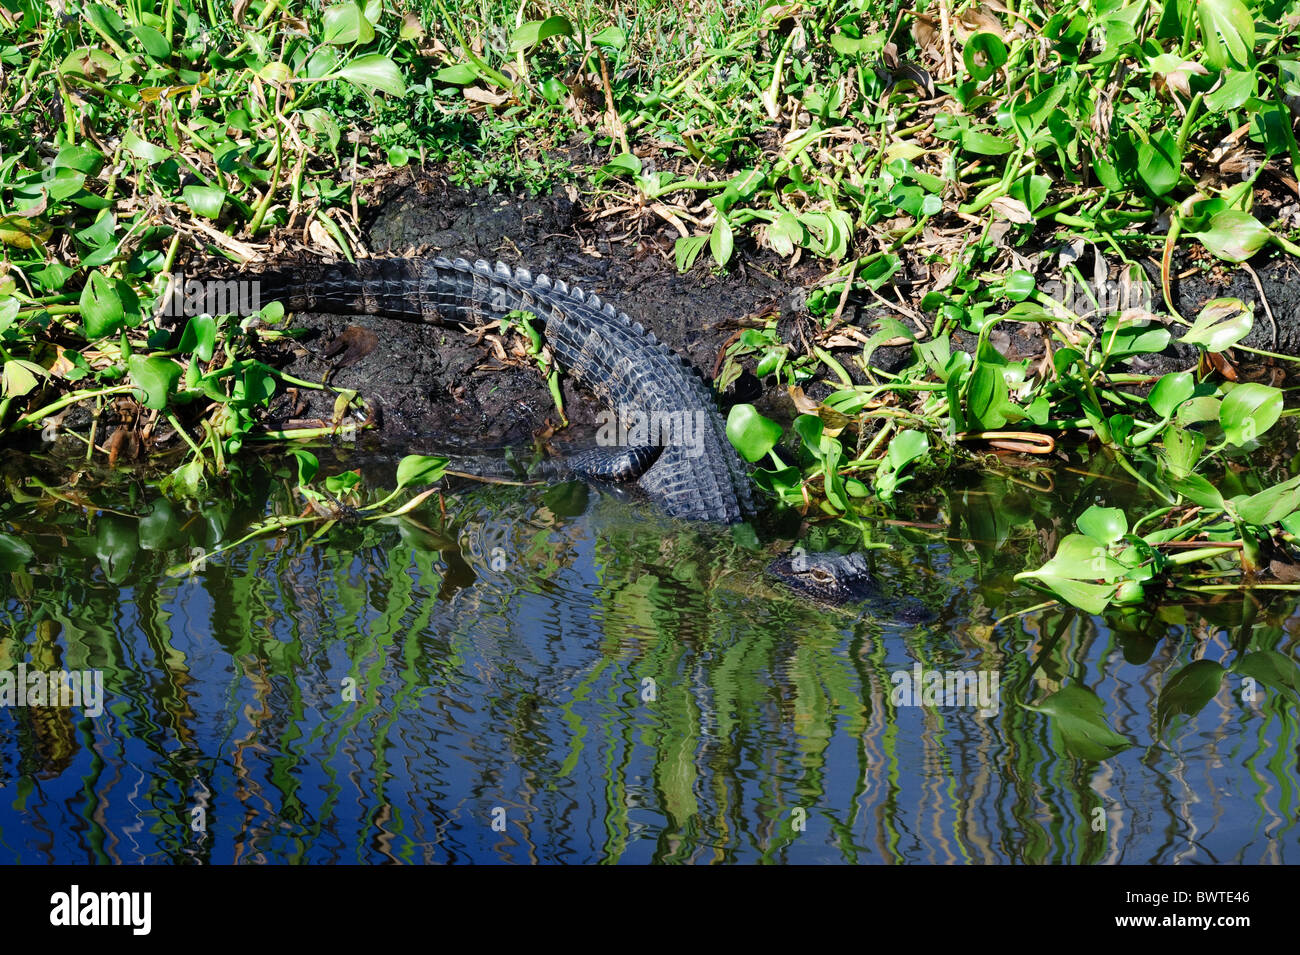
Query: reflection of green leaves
[(1079, 715), (1272, 669), (1188, 691), (14, 553)]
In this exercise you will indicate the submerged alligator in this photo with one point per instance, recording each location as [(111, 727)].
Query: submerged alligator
[(687, 467)]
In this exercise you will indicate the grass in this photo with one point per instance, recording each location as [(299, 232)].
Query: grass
[(136, 135)]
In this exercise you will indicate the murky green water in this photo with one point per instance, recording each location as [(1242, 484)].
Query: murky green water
[(544, 674)]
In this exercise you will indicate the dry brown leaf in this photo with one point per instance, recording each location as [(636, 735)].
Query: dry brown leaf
[(1012, 209)]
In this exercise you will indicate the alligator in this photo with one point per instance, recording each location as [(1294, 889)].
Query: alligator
[(681, 458)]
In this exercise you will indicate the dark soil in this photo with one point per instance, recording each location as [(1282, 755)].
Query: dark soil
[(438, 388)]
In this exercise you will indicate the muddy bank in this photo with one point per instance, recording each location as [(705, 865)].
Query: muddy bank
[(439, 386), (434, 387)]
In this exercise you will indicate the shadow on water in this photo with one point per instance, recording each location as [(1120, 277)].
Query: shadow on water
[(551, 674)]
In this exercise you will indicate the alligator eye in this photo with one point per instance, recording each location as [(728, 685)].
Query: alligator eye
[(822, 576)]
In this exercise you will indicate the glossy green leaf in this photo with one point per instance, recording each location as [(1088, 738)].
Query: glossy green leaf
[(535, 31), (1228, 33), (721, 241), (1170, 392), (155, 379), (205, 201), (200, 337), (1222, 323), (1271, 504), (750, 433), (420, 469), (307, 465), (1234, 236), (1248, 411), (984, 54), (344, 25), (101, 306), (1103, 524), (375, 72)]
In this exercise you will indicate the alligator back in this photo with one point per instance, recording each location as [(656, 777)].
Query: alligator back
[(698, 474)]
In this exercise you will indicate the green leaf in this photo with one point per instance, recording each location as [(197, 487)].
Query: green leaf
[(906, 447), (750, 433), (1080, 716), (420, 469), (85, 159), (535, 31), (687, 249), (307, 465), (155, 378), (1248, 411), (1237, 88), (988, 47), (809, 427), (1103, 524), (1272, 669), (1170, 392), (1234, 236), (1160, 162), (1228, 33), (611, 37), (1271, 505), (345, 25), (1188, 691), (721, 241), (1198, 490), (374, 72), (101, 306), (154, 43), (1221, 324), (200, 337), (784, 234), (458, 74), (984, 144), (20, 377), (205, 201)]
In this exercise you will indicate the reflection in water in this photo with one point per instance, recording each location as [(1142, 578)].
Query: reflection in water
[(552, 676)]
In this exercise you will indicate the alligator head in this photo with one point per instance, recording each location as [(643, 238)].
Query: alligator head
[(839, 580), (827, 576)]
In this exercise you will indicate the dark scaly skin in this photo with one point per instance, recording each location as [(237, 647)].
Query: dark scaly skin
[(601, 347)]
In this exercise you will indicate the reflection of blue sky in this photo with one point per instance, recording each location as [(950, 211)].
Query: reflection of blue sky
[(523, 692)]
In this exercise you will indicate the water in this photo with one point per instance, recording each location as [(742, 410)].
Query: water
[(551, 675)]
